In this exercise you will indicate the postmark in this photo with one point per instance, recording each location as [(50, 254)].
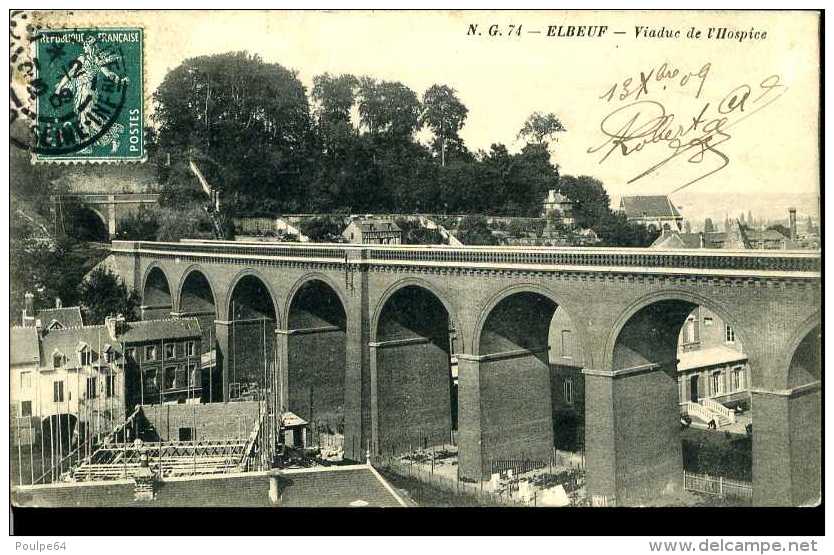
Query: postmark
[(88, 104)]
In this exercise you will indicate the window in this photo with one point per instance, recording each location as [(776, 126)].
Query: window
[(58, 391), (109, 385), (57, 360), (149, 384), (738, 378), (85, 356), (567, 386), (187, 434), (171, 350), (92, 390), (25, 380), (181, 381), (150, 352), (566, 352), (130, 354), (689, 331), (170, 377), (717, 384), (194, 376), (109, 355), (729, 334), (26, 408), (708, 321), (190, 349)]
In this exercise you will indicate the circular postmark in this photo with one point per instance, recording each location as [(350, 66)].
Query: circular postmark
[(82, 91)]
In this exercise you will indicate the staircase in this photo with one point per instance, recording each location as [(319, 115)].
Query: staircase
[(707, 411)]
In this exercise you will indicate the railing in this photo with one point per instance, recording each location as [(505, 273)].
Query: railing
[(717, 485), (717, 407), (695, 261), (700, 411)]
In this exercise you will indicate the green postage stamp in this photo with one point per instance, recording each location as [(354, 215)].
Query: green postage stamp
[(89, 105)]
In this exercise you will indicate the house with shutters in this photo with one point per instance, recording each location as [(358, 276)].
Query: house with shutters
[(86, 379), (373, 231), (653, 211)]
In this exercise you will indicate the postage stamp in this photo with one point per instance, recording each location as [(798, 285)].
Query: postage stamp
[(89, 105)]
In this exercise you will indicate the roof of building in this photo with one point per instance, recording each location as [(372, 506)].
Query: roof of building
[(154, 330), (366, 225), (24, 346), (712, 356), (649, 206), (67, 317), (70, 340), (292, 419), (678, 240)]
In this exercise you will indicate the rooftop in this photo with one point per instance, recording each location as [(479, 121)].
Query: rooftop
[(376, 225), (67, 317), (649, 206)]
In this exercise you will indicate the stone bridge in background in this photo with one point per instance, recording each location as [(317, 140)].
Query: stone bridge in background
[(366, 333), (110, 208)]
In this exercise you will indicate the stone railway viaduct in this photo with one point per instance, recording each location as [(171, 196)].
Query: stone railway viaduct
[(366, 332)]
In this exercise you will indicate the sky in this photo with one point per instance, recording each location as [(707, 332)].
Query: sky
[(772, 145)]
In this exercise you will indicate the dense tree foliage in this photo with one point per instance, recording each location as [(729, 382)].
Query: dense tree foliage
[(103, 294)]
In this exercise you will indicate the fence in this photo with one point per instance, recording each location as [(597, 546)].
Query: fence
[(717, 485)]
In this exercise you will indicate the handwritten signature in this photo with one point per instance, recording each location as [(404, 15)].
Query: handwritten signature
[(644, 123)]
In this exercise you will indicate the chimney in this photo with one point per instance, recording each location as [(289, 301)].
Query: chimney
[(115, 325), (792, 222), (58, 303), (701, 242), (28, 309)]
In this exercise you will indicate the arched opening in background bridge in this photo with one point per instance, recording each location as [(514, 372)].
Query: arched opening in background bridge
[(316, 350), (196, 300), (156, 295), (416, 398), (251, 354), (82, 222)]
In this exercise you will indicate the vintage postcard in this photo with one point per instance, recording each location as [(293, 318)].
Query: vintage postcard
[(518, 259)]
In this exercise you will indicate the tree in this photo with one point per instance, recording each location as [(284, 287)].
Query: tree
[(445, 115), (104, 294), (249, 117), (591, 203), (334, 97), (541, 128), (142, 225), (175, 225), (474, 230), (388, 108), (323, 229)]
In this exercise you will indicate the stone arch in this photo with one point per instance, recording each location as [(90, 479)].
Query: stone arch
[(672, 295), (157, 300), (533, 288), (413, 394), (240, 276), (451, 309), (316, 347), (249, 360), (300, 282), (516, 382), (186, 275), (802, 361)]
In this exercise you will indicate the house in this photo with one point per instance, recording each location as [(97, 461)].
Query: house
[(85, 379), (653, 211), (24, 360), (711, 360), (557, 203), (373, 231), (736, 237)]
